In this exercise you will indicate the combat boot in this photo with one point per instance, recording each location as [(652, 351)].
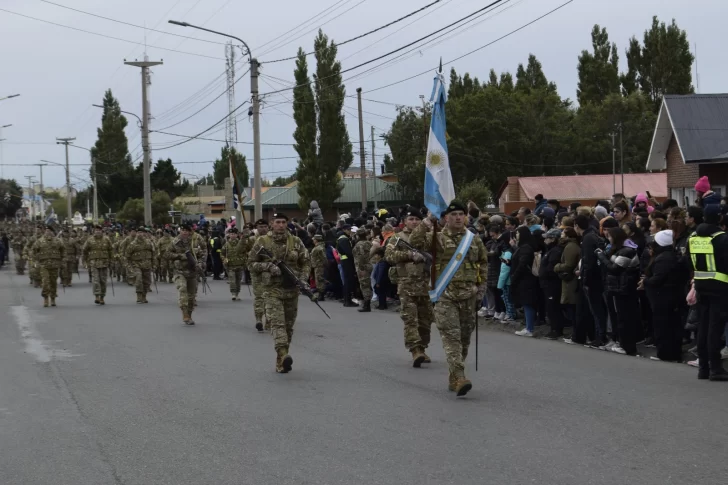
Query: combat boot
[(45, 301), (348, 303), (144, 298), (53, 301), (427, 358), (101, 301), (285, 360), (418, 357), (139, 298), (367, 307), (97, 300), (235, 296), (187, 317), (462, 386), (451, 382), (259, 326)]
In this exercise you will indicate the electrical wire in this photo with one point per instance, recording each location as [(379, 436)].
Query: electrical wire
[(130, 24), (107, 36), (339, 44), (278, 46)]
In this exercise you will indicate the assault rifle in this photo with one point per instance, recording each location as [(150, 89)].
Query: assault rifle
[(406, 245), (290, 276)]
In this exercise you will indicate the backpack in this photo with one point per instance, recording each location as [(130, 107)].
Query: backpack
[(536, 264)]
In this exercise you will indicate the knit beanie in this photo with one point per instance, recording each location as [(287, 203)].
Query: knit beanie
[(664, 238), (703, 184)]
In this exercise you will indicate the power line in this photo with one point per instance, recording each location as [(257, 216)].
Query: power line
[(107, 36), (339, 44), (323, 12), (395, 50), (207, 105), (130, 24), (309, 31)]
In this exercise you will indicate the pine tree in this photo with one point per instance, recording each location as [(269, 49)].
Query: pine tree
[(532, 76), (662, 65), (221, 167), (598, 71), (115, 172), (304, 113), (167, 179)]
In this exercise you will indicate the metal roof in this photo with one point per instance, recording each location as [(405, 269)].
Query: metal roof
[(700, 125), (351, 194), (589, 187)]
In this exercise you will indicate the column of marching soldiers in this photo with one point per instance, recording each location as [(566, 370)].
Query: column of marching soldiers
[(278, 266)]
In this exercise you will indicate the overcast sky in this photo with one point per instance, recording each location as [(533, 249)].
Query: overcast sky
[(60, 73)]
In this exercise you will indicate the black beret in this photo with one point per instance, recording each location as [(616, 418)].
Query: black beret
[(233, 230), (186, 226), (261, 222), (455, 206), (278, 215), (413, 212)]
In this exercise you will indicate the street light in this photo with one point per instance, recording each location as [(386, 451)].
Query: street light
[(256, 113), (1, 144)]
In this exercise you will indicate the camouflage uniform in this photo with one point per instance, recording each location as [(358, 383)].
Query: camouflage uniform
[(235, 257), (116, 264), (18, 245), (34, 268), (455, 310), (165, 270), (363, 266), (413, 284), (279, 294), (200, 243), (318, 264), (49, 254), (258, 302), (125, 269), (73, 252), (140, 256), (185, 276), (98, 256)]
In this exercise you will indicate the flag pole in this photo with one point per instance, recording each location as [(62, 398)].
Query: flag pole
[(433, 247)]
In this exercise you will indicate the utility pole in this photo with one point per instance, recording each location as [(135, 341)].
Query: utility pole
[(621, 156), (31, 197), (96, 192), (614, 164), (42, 202), (146, 81), (66, 141), (424, 121), (374, 170), (362, 155), (258, 183)]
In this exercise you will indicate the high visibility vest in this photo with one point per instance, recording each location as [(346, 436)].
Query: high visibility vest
[(702, 254), (212, 244), (341, 255)]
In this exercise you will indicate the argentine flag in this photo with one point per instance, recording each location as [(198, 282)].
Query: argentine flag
[(439, 190)]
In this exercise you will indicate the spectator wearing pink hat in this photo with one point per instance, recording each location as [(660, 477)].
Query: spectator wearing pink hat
[(641, 203), (705, 195)]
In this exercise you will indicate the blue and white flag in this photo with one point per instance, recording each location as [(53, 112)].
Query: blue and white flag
[(439, 190)]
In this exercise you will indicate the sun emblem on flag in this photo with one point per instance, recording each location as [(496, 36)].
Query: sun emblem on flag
[(435, 158)]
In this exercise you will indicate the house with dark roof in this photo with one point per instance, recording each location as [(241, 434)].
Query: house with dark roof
[(691, 141)]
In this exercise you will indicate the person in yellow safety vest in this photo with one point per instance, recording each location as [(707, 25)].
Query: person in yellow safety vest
[(708, 250), (216, 250)]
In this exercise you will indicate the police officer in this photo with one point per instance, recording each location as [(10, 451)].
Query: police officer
[(708, 250)]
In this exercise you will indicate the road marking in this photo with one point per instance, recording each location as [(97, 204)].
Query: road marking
[(34, 344)]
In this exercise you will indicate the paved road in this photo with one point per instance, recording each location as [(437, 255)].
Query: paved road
[(125, 394)]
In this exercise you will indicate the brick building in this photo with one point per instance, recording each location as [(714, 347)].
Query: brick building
[(690, 141)]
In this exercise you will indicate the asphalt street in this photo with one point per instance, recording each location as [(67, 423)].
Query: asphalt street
[(126, 394)]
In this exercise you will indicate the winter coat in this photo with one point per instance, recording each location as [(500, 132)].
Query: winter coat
[(590, 273), (623, 269), (568, 264), (664, 278), (547, 277), (540, 207), (642, 198), (709, 198), (524, 285), (504, 278), (314, 213), (494, 263)]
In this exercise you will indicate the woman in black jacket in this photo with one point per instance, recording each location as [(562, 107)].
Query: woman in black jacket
[(622, 264), (524, 285), (664, 282), (551, 283)]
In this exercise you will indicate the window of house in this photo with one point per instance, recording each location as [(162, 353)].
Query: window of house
[(719, 189)]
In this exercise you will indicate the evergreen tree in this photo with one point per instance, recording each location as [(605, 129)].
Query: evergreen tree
[(166, 178), (11, 197), (115, 172), (532, 76), (304, 114), (221, 167), (661, 65), (598, 71), (335, 150)]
